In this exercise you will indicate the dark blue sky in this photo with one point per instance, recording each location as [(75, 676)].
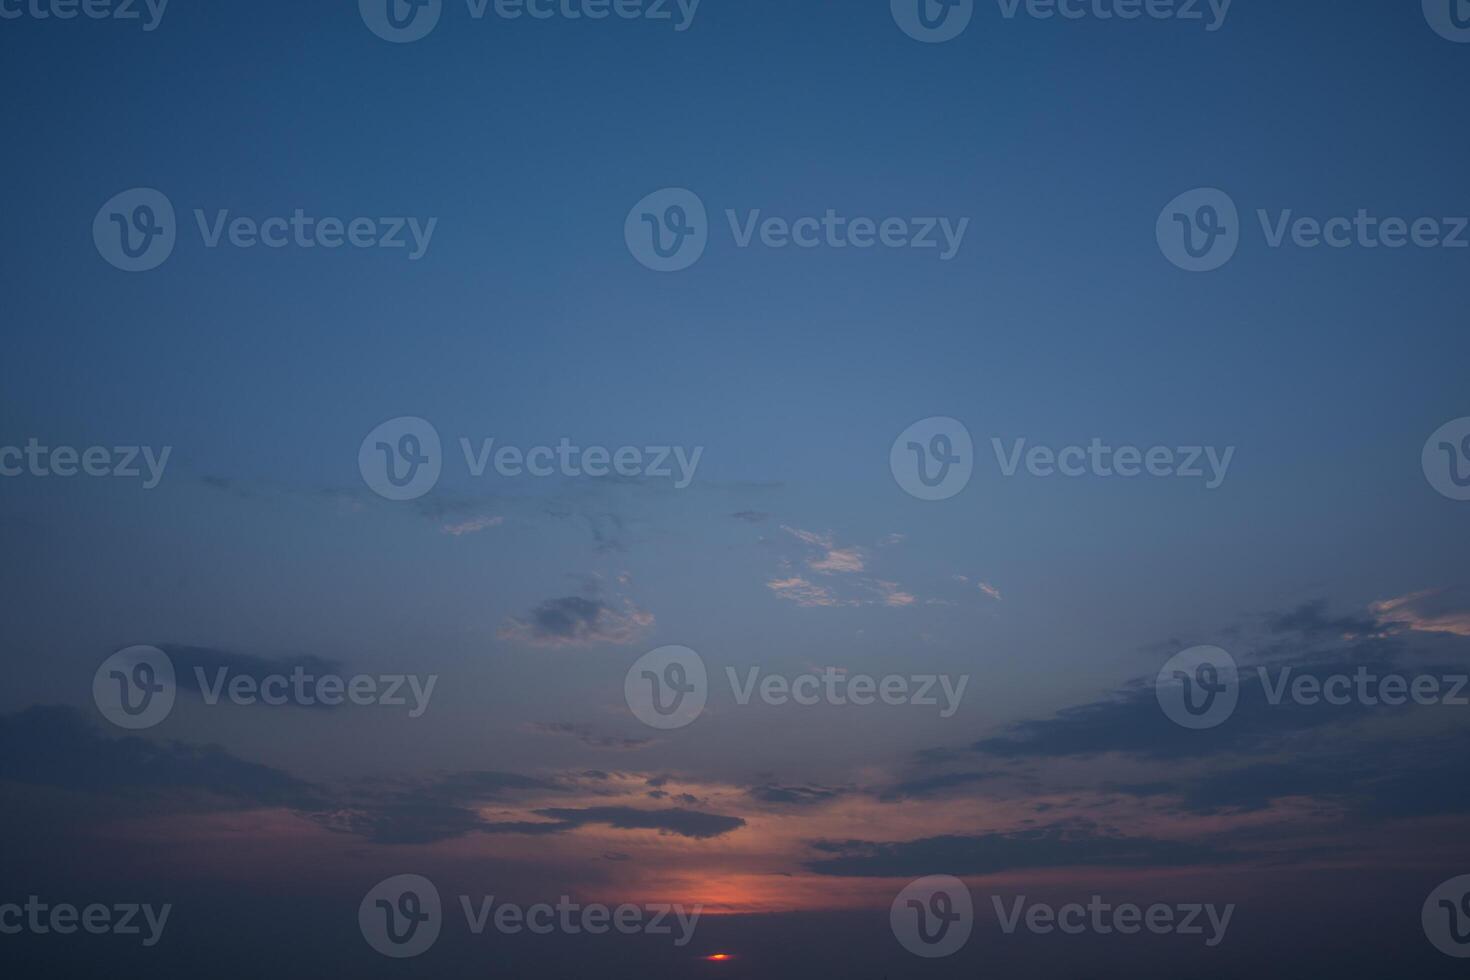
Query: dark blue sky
[(528, 321)]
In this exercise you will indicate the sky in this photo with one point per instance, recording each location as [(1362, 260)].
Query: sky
[(772, 518)]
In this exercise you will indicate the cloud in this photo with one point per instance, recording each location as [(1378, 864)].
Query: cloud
[(891, 593), (752, 516), (991, 591), (804, 593), (192, 661), (830, 559), (577, 621), (472, 526), (678, 821), (1430, 611), (587, 737), (58, 746), (1062, 846), (794, 795), (924, 787)]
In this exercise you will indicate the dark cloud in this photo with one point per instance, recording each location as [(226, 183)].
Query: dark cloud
[(684, 823), (1312, 621), (590, 738), (938, 785), (573, 621), (59, 746), (794, 795), (1051, 847), (192, 661)]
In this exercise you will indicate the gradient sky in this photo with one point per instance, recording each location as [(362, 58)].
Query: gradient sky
[(528, 321)]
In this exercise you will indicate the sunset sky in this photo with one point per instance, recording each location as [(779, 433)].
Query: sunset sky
[(793, 549)]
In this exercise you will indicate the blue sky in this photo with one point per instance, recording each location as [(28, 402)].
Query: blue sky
[(527, 320)]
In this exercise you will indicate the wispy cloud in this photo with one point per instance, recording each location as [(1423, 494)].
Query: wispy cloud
[(473, 526), (805, 593), (829, 558)]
